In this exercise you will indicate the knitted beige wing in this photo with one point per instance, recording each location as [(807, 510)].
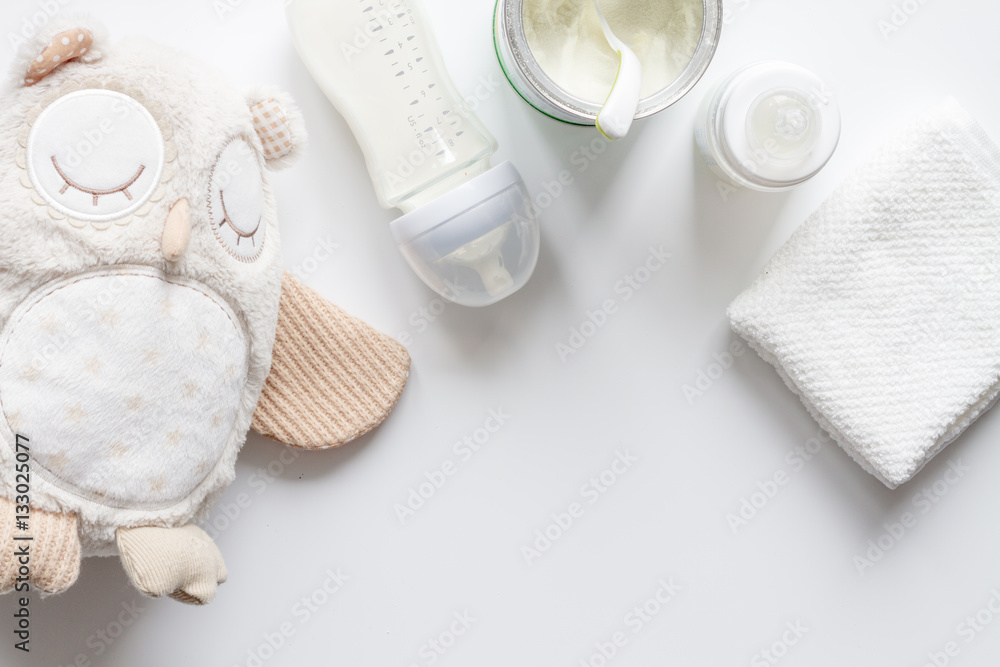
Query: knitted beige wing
[(333, 377)]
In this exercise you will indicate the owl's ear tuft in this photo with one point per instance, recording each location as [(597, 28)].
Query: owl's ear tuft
[(62, 40), (279, 124)]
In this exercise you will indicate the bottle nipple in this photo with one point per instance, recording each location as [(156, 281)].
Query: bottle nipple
[(484, 257), (783, 125)]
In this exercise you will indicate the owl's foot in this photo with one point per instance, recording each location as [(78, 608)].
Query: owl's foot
[(51, 558), (182, 563)]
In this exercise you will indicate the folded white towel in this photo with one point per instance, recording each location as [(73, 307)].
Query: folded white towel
[(882, 312)]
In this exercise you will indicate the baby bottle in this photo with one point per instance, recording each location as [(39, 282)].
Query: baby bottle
[(769, 126), (467, 228)]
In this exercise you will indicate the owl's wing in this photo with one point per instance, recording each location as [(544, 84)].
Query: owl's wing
[(333, 377)]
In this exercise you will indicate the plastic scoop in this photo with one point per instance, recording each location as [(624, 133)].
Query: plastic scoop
[(618, 112)]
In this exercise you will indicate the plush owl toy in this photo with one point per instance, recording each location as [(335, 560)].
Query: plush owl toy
[(146, 320)]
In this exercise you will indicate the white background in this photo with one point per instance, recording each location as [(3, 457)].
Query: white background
[(666, 517)]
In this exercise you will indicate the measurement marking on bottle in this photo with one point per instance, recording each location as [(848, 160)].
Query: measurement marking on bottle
[(439, 138)]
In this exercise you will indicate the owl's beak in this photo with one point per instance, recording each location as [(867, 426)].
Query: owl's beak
[(176, 231)]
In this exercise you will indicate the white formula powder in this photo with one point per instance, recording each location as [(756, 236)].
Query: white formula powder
[(565, 38)]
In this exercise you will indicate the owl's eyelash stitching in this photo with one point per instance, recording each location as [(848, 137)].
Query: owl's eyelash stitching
[(97, 193), (240, 234)]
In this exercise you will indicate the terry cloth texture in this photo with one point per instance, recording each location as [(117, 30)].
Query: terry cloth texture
[(882, 312), (333, 377)]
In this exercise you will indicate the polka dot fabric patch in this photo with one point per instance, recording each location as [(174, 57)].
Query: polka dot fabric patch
[(271, 125), (64, 46)]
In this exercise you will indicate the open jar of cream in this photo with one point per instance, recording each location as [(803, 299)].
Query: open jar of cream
[(555, 54)]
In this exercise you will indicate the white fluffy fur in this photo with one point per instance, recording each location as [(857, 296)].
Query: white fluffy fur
[(203, 112)]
